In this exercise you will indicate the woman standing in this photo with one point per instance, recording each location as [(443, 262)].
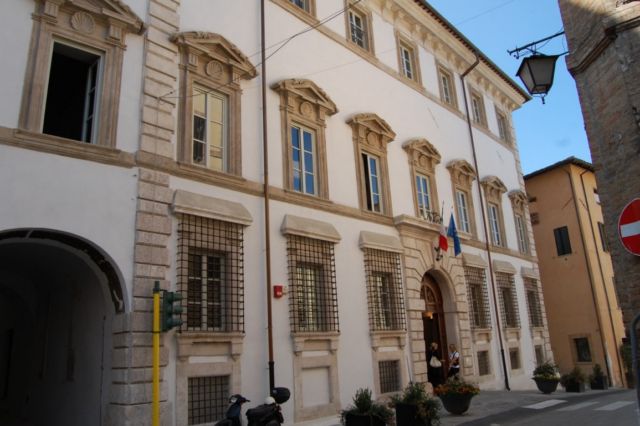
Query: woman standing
[(454, 361), (434, 365)]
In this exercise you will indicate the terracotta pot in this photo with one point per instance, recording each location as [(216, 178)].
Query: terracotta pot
[(546, 386), (456, 403)]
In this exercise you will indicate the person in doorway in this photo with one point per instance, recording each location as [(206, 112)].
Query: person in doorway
[(434, 365), (454, 361)]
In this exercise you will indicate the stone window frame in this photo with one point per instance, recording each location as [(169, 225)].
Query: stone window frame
[(532, 288), (94, 29), (462, 176), (504, 130), (505, 281), (367, 19), (445, 72), (309, 6), (519, 203), (423, 158), (211, 62), (481, 119), (482, 306), (518, 352), (305, 104), (405, 42), (493, 190), (371, 134), (574, 349)]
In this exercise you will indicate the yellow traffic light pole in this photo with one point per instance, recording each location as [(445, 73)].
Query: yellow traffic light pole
[(155, 391)]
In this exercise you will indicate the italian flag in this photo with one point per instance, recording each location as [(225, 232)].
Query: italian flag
[(443, 243)]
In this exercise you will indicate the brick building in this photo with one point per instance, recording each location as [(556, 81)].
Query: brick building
[(604, 47)]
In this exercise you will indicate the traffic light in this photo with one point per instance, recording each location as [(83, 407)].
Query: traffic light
[(171, 310)]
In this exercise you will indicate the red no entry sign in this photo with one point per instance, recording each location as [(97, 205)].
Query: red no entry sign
[(629, 227)]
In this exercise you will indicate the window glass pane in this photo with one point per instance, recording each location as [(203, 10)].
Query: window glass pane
[(583, 352), (199, 102)]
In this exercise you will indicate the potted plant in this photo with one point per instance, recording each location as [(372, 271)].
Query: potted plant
[(597, 379), (456, 394), (546, 377), (414, 407), (365, 412), (573, 381)]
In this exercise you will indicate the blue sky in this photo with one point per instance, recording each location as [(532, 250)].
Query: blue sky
[(546, 133)]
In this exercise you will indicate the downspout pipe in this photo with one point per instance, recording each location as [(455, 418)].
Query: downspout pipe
[(604, 285), (484, 220), (267, 221), (589, 272)]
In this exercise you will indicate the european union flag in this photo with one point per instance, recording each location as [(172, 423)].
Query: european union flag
[(453, 233)]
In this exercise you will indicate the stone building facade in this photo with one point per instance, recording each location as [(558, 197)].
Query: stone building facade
[(604, 46), (131, 148)]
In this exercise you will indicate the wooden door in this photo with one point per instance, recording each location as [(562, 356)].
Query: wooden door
[(433, 318)]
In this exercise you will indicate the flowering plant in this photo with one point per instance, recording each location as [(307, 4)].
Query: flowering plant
[(546, 371), (457, 386)]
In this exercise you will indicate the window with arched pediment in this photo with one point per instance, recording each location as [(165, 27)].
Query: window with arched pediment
[(423, 159), (73, 77), (209, 128), (304, 108), (462, 177), (371, 134), (493, 191)]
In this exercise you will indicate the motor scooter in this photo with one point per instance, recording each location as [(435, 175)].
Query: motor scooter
[(267, 414)]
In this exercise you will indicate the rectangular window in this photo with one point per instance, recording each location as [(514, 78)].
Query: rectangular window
[(596, 196), (508, 300), (423, 192), (389, 372), (209, 129), (210, 274), (303, 160), (583, 352), (358, 29), (514, 358), (484, 369), (313, 302), (302, 4), (539, 355), (563, 245), (463, 211), (207, 399), (384, 290), (372, 182), (478, 297), (533, 302), (73, 93), (603, 237), (521, 230), (477, 109), (447, 93), (503, 127), (407, 61), (494, 225)]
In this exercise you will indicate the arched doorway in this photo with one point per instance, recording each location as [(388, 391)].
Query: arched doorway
[(433, 321), (58, 296)]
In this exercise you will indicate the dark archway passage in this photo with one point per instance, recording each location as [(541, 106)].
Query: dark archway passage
[(433, 321), (56, 310)]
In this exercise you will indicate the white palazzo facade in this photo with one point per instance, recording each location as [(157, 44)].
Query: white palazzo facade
[(131, 151)]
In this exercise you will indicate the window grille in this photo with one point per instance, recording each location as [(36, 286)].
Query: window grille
[(211, 274), (508, 300), (533, 302), (384, 290), (389, 376), (484, 368), (478, 297), (313, 301), (207, 399)]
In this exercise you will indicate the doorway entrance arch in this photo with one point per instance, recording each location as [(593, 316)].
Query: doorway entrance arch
[(58, 296), (433, 318)]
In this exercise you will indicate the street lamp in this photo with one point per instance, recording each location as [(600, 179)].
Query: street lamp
[(536, 72)]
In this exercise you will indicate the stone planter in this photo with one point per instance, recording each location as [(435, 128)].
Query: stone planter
[(546, 386), (600, 383), (574, 387), (361, 420), (456, 403), (407, 415)]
